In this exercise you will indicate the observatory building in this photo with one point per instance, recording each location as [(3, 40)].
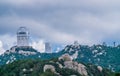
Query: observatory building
[(22, 37), (48, 48)]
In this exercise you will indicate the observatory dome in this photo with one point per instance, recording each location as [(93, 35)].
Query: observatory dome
[(22, 30), (22, 37)]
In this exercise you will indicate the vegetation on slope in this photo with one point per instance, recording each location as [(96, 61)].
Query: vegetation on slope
[(31, 67)]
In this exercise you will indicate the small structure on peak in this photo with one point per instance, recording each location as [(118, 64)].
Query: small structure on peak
[(114, 44), (104, 44), (22, 37), (48, 48), (76, 44)]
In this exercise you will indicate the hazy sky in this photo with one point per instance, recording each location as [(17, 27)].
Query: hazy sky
[(61, 21)]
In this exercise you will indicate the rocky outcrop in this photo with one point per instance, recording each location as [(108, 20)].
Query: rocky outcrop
[(80, 68), (65, 57), (51, 68), (99, 68), (68, 63), (26, 52)]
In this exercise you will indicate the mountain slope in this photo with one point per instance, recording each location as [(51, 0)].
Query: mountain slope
[(62, 66), (105, 56)]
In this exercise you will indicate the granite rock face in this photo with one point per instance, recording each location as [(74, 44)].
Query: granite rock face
[(68, 63), (49, 67)]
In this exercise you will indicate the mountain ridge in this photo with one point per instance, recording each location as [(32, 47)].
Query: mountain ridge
[(105, 56)]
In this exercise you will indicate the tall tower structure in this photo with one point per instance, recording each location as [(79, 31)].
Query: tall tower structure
[(22, 37), (48, 48)]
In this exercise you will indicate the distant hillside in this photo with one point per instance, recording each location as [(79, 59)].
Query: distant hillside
[(100, 55), (62, 66), (105, 56)]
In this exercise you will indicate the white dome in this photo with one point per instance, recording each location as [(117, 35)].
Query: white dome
[(22, 30)]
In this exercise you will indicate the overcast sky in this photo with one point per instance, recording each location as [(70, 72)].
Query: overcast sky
[(61, 21)]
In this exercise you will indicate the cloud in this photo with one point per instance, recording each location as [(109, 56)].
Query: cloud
[(8, 41), (39, 45), (1, 48), (64, 3), (63, 21)]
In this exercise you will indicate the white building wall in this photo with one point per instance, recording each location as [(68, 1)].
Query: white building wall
[(22, 37), (48, 48)]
